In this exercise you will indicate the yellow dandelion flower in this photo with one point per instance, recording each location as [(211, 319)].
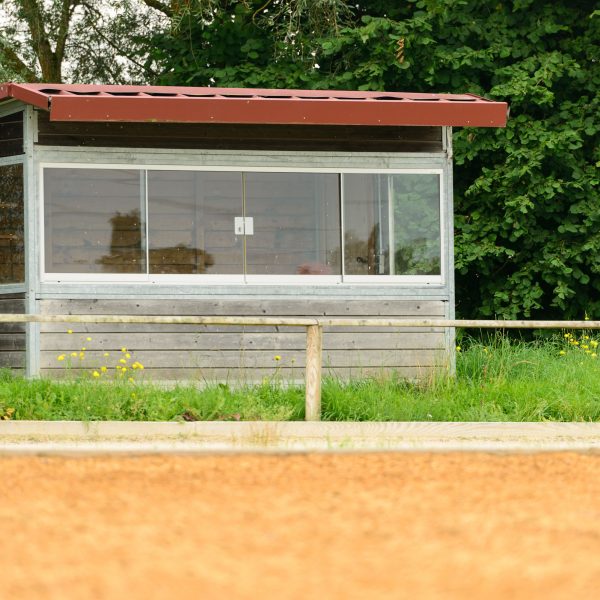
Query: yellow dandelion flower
[(83, 349), (73, 353), (594, 344), (106, 354), (140, 366), (118, 367), (96, 374), (594, 355), (69, 331), (562, 352), (104, 369), (584, 346), (586, 337), (277, 357), (123, 369), (458, 348), (130, 379), (81, 355), (123, 349), (127, 355), (122, 361), (567, 335), (60, 357)]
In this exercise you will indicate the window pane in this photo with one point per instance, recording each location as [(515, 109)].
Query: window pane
[(417, 241), (296, 219), (11, 134), (93, 221), (12, 253), (191, 222), (399, 211), (366, 231)]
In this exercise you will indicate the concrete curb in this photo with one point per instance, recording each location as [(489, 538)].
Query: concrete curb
[(108, 437)]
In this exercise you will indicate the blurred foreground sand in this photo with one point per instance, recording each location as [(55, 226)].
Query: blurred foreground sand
[(343, 526)]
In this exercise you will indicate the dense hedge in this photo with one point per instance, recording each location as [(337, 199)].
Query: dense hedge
[(527, 201)]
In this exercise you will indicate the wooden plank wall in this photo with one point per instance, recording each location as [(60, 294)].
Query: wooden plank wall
[(215, 353), (12, 335), (219, 136)]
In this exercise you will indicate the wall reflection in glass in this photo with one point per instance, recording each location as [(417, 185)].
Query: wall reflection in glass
[(296, 219), (93, 221), (190, 222)]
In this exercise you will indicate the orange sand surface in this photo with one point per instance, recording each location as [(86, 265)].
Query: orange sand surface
[(301, 526)]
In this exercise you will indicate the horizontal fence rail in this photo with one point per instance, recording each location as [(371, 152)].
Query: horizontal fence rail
[(314, 333), (300, 321)]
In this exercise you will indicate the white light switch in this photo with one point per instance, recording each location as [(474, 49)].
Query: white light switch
[(238, 225), (243, 226)]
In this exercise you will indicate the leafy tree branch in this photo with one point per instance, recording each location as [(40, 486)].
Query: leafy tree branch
[(160, 6), (10, 60)]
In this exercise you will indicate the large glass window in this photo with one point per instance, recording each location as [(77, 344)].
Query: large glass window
[(392, 224), (12, 223), (242, 224)]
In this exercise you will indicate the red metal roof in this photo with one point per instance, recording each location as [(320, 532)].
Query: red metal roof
[(131, 103)]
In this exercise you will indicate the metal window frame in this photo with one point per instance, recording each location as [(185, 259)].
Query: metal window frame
[(243, 278)]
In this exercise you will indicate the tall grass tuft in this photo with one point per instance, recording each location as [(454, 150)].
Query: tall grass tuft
[(555, 379)]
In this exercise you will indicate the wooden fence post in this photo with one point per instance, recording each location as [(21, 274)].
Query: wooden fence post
[(314, 359)]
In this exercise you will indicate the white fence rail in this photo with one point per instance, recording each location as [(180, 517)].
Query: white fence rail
[(314, 333)]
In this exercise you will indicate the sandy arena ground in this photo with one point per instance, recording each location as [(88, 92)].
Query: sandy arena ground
[(302, 526)]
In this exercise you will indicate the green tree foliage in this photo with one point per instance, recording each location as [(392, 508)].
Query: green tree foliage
[(527, 202), (87, 41)]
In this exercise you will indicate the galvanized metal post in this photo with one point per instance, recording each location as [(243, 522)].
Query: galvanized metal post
[(314, 353)]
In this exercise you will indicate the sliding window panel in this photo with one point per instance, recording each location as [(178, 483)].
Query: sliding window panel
[(392, 224), (94, 221), (366, 224), (12, 250), (417, 224), (295, 218), (191, 217)]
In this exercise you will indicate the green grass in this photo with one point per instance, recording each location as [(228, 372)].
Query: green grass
[(502, 381)]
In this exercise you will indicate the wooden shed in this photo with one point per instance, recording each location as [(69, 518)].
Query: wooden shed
[(212, 201)]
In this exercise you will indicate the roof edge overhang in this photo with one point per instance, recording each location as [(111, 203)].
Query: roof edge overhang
[(162, 104), (24, 93)]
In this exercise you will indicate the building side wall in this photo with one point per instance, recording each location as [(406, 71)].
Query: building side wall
[(216, 353), (11, 129), (12, 290), (12, 335)]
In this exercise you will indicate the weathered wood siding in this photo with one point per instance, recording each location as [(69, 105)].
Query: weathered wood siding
[(216, 353), (12, 335), (239, 137)]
